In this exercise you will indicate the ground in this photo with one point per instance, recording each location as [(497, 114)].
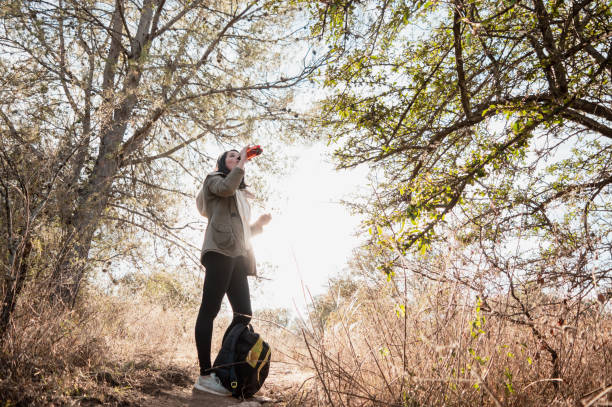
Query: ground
[(280, 387)]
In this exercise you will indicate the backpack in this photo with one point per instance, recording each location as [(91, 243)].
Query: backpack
[(243, 362)]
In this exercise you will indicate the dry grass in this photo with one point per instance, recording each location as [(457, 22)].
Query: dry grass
[(111, 350), (107, 350), (441, 348), (446, 350)]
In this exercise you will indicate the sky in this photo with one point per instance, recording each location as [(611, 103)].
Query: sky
[(311, 235)]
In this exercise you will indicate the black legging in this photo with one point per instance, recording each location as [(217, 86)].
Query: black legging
[(223, 275)]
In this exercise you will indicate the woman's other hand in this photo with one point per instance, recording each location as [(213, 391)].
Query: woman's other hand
[(264, 219)]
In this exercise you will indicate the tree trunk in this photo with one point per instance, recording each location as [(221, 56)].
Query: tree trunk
[(13, 286), (93, 199)]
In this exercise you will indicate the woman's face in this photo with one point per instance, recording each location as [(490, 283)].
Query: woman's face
[(231, 159)]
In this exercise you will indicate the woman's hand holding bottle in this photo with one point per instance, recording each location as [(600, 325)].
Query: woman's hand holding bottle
[(243, 157)]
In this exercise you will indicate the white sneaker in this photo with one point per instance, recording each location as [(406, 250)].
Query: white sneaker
[(211, 384)]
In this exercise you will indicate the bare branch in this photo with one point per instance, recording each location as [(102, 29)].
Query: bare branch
[(465, 97), (587, 122), (139, 135), (156, 33), (62, 61), (125, 25), (108, 78), (174, 149)]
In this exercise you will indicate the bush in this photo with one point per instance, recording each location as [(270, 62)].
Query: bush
[(442, 345)]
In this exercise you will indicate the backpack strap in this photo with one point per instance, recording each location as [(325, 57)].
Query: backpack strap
[(233, 375)]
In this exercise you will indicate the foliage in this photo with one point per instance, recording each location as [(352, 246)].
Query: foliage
[(108, 109), (486, 124), (162, 288)]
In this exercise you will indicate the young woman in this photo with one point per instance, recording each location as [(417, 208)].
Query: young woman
[(226, 254)]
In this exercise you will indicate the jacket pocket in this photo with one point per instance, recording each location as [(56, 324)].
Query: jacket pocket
[(223, 235)]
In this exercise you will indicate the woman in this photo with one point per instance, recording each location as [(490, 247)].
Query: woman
[(226, 254)]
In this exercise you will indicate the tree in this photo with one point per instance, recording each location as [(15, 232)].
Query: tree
[(497, 113), (488, 127), (118, 98)]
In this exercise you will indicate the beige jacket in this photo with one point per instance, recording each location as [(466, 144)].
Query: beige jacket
[(224, 232)]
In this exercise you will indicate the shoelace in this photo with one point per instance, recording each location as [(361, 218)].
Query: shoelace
[(216, 379)]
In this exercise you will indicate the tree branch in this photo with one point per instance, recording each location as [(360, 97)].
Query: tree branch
[(156, 33), (125, 25), (593, 108), (587, 122), (465, 97), (139, 40), (543, 21), (130, 145), (62, 61), (174, 149), (108, 77), (155, 23)]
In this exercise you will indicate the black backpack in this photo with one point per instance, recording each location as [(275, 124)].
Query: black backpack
[(243, 362)]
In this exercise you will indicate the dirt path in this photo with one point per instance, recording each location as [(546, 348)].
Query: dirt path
[(282, 383)]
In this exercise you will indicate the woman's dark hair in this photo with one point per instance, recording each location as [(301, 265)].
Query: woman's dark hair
[(221, 167)]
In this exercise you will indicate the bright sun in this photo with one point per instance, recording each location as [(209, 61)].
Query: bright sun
[(311, 235)]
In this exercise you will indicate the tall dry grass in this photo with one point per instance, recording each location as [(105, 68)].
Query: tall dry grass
[(433, 345), (441, 346), (113, 349), (108, 349)]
